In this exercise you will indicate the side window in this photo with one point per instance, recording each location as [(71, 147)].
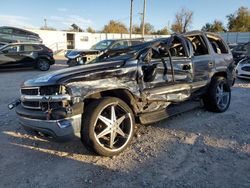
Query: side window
[(120, 45), (199, 45), (19, 32), (28, 48), (37, 48), (217, 45), (7, 30), (135, 42), (12, 49), (177, 48)]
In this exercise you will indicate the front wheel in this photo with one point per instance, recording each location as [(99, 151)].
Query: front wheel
[(108, 126), (218, 97), (43, 64)]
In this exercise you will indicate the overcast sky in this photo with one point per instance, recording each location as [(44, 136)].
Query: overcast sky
[(96, 13)]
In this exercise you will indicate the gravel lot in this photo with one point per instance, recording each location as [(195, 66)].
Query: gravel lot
[(193, 149)]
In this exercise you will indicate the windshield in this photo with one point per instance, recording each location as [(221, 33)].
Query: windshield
[(102, 45)]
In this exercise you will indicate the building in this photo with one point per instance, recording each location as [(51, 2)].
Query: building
[(63, 40)]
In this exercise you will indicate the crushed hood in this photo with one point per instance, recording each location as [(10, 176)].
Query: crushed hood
[(70, 74)]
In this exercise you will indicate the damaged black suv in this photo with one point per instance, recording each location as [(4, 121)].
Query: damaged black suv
[(101, 102)]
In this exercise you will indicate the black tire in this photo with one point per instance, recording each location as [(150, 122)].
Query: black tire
[(218, 97), (43, 64), (93, 126), (72, 63)]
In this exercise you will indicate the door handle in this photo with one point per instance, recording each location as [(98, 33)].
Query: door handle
[(210, 64), (186, 67)]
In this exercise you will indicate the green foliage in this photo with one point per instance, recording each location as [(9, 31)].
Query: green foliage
[(149, 29), (90, 30), (216, 26), (115, 27), (239, 21), (163, 31)]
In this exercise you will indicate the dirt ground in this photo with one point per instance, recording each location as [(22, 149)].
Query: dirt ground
[(193, 149)]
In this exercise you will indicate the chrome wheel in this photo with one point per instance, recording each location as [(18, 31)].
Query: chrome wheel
[(222, 96), (113, 127)]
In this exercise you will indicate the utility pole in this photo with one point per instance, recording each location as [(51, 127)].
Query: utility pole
[(143, 19), (45, 23), (131, 19)]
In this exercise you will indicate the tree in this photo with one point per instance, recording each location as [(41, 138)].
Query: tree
[(149, 29), (183, 20), (90, 30), (239, 21), (163, 31), (207, 27), (216, 26), (115, 27), (136, 29)]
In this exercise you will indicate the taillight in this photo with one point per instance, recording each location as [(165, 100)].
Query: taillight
[(50, 51)]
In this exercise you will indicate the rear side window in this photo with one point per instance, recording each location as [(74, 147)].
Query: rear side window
[(120, 45), (135, 42), (217, 44), (199, 45), (37, 48), (28, 48), (19, 32)]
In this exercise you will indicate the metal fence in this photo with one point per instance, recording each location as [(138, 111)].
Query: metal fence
[(236, 37)]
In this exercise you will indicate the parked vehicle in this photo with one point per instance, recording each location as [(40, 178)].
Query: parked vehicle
[(13, 34), (18, 55), (103, 101), (243, 68), (239, 52), (80, 57)]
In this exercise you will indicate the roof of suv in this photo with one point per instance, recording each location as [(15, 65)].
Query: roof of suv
[(29, 32)]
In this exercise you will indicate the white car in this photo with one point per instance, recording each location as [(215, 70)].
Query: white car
[(243, 68)]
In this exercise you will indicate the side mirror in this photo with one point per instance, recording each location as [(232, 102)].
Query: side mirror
[(5, 51)]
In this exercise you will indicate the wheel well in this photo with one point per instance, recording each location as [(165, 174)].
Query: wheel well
[(122, 94), (222, 74)]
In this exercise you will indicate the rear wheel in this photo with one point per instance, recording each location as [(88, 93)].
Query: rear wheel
[(108, 126), (218, 96), (43, 64)]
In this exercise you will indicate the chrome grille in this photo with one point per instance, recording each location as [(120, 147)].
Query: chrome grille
[(30, 91), (31, 105), (246, 68)]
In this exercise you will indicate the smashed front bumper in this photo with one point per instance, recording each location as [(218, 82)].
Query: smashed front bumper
[(61, 129)]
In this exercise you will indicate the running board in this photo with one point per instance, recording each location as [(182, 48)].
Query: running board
[(173, 109)]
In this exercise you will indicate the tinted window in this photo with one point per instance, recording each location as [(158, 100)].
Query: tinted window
[(199, 45), (120, 45), (135, 42), (217, 44), (12, 49), (19, 32), (7, 30), (37, 48), (102, 45)]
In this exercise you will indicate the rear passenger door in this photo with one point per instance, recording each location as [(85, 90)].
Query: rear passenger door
[(221, 53), (28, 55), (203, 63)]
